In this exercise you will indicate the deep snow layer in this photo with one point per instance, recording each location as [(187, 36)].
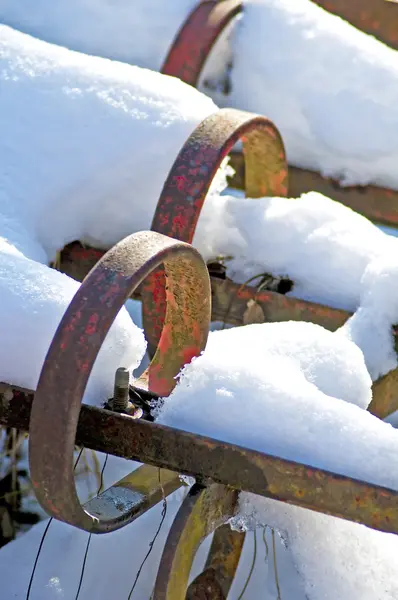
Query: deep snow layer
[(331, 89), (72, 167)]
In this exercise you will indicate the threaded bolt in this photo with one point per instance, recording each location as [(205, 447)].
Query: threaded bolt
[(120, 400)]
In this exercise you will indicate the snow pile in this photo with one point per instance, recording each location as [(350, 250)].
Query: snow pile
[(331, 89), (99, 186), (139, 33), (334, 559), (323, 246), (252, 387), (293, 398), (276, 388), (72, 167), (103, 136)]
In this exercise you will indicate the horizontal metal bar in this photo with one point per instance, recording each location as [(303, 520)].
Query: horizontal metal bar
[(206, 458), (376, 203)]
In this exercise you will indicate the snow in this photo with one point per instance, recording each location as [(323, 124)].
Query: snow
[(137, 33), (333, 558), (84, 120), (104, 136), (103, 111), (308, 416), (323, 246), (330, 89), (292, 61)]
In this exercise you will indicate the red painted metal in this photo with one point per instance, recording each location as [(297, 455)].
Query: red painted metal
[(189, 180), (76, 344), (194, 41)]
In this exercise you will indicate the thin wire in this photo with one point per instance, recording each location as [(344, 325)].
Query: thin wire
[(265, 543), (43, 538), (89, 535), (151, 544), (251, 568), (275, 566)]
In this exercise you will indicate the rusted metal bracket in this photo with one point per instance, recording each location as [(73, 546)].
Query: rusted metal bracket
[(75, 347), (374, 16)]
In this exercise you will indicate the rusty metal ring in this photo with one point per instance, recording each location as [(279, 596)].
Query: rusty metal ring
[(197, 36), (201, 513), (197, 163), (189, 180), (75, 346)]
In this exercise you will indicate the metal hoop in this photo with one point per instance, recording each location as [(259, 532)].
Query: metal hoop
[(76, 344)]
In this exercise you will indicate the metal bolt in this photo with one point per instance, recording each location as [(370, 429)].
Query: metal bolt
[(120, 400)]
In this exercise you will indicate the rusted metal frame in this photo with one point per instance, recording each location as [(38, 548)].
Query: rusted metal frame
[(203, 510), (75, 347), (378, 204), (195, 39), (224, 463), (376, 17)]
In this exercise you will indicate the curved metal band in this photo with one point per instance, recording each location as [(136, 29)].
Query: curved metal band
[(189, 180), (197, 36), (77, 342), (203, 510), (197, 163)]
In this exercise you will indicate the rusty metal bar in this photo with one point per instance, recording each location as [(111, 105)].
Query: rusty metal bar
[(221, 565), (203, 510), (75, 347), (221, 462), (376, 17), (378, 204)]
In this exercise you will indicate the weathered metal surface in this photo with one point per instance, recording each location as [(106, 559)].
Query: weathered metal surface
[(385, 395), (189, 180), (203, 510), (75, 347), (376, 203), (133, 495), (377, 17), (221, 462), (190, 177), (220, 567), (195, 39), (230, 301)]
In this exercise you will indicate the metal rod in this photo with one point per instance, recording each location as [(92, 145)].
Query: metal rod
[(222, 462)]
